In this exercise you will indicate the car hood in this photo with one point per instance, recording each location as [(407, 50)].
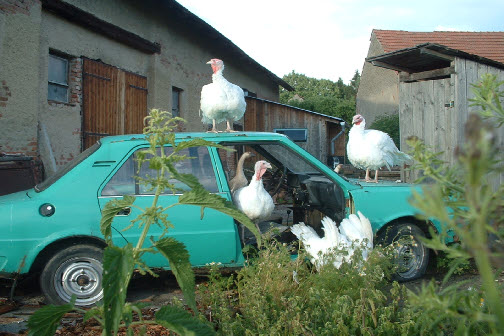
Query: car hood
[(381, 183)]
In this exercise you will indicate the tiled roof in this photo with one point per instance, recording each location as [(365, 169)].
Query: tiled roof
[(484, 44)]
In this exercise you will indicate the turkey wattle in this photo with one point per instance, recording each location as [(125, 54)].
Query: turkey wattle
[(239, 180), (253, 199), (354, 231), (372, 149), (221, 100)]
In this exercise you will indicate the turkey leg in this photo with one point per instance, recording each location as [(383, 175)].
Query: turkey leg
[(229, 127), (368, 179), (214, 129)]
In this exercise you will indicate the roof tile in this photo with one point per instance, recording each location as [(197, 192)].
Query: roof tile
[(484, 44)]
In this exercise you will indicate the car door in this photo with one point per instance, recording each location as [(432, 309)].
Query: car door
[(212, 238)]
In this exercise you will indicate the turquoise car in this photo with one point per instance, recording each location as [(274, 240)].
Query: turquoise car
[(53, 229)]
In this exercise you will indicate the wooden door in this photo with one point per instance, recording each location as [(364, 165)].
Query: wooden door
[(114, 102)]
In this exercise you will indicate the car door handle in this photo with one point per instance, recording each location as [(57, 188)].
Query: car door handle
[(124, 212)]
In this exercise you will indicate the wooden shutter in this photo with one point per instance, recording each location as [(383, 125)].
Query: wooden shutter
[(114, 102)]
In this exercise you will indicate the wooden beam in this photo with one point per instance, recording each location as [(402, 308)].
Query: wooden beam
[(91, 22), (424, 75), (436, 54), (390, 66)]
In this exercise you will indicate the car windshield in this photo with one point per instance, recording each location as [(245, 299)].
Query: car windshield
[(69, 166), (290, 159)]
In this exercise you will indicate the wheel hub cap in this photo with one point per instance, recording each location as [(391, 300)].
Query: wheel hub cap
[(80, 277)]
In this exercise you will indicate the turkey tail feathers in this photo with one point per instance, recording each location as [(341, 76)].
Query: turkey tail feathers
[(330, 230)]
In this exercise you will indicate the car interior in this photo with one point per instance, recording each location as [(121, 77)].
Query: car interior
[(300, 191)]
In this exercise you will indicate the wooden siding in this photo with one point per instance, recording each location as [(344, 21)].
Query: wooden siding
[(437, 110), (265, 116), (115, 102)]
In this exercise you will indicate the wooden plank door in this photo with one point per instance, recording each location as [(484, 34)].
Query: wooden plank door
[(114, 102)]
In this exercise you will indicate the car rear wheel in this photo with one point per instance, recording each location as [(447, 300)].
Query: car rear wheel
[(410, 255), (75, 270)]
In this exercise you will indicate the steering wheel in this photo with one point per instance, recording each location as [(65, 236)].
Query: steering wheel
[(277, 174)]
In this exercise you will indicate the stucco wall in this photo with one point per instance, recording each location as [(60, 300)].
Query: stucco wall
[(378, 89), (19, 73), (32, 125)]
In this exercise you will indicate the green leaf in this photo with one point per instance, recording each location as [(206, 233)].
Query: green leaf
[(45, 320), (109, 212), (180, 321), (201, 197), (127, 314), (92, 313), (178, 257), (118, 264)]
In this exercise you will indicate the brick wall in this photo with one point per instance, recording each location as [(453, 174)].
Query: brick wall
[(4, 95), (17, 6)]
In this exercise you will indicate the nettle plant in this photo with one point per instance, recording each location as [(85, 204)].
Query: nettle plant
[(464, 198), (120, 262)]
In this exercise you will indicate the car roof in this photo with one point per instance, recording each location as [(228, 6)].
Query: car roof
[(204, 135)]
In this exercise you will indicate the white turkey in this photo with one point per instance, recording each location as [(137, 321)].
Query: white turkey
[(254, 200), (239, 180), (372, 149), (221, 100), (354, 231)]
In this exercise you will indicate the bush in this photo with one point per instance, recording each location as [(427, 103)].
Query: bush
[(276, 295)]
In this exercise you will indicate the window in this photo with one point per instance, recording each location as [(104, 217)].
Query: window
[(176, 94), (295, 134), (124, 183), (58, 79)]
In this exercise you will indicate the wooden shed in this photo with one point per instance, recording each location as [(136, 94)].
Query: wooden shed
[(324, 135), (435, 84)]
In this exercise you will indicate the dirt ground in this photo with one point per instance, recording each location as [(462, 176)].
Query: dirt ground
[(155, 291)]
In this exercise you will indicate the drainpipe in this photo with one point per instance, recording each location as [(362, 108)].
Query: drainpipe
[(333, 140)]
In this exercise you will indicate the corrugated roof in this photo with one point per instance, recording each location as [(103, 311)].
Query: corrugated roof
[(484, 44)]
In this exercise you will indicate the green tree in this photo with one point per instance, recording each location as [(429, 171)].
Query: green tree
[(321, 95)]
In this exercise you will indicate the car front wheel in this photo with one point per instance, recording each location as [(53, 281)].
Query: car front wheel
[(410, 255), (75, 270)]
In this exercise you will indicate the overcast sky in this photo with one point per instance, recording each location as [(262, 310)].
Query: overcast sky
[(330, 38)]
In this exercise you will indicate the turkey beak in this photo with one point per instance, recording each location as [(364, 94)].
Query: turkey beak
[(267, 165), (209, 62)]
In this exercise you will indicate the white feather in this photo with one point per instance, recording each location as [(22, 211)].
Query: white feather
[(221, 100), (253, 199), (355, 231), (372, 149)]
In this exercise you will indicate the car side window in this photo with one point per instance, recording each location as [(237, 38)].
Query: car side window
[(198, 164)]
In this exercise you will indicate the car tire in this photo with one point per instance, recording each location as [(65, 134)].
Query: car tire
[(410, 255), (76, 270)]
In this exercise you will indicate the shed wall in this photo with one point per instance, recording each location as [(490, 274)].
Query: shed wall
[(266, 116), (436, 110)]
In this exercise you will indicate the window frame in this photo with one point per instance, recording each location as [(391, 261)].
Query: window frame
[(176, 110), (56, 83), (138, 192)]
